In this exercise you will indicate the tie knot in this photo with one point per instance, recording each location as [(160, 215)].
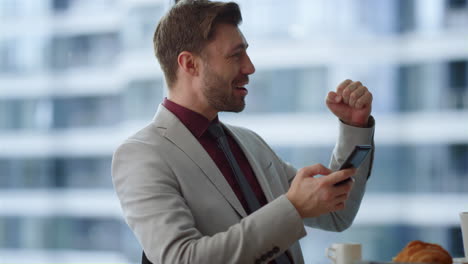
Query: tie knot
[(216, 130)]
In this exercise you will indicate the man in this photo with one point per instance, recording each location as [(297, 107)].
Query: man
[(195, 190)]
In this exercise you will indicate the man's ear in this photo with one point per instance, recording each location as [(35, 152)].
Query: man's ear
[(188, 63)]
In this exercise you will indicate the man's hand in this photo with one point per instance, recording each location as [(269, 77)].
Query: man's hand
[(352, 103), (316, 196)]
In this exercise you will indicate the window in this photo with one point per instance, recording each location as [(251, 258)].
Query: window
[(458, 72), (10, 232), (406, 13), (8, 56), (456, 13), (24, 114), (287, 90), (83, 51), (457, 4), (87, 111), (60, 5), (83, 6), (83, 233), (305, 156), (56, 172), (408, 86), (141, 99), (140, 26), (459, 164), (458, 84), (89, 172)]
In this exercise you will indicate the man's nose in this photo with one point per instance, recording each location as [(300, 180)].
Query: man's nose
[(248, 67)]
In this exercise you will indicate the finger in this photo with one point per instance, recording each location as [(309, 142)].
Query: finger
[(345, 188), (339, 176), (356, 94), (348, 90), (364, 100), (333, 98), (342, 86), (340, 201), (313, 170)]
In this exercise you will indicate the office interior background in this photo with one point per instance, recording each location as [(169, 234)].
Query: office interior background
[(79, 76)]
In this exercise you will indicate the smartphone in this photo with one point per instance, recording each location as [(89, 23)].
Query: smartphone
[(354, 160)]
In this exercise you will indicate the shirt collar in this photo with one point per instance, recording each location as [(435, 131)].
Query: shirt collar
[(196, 123)]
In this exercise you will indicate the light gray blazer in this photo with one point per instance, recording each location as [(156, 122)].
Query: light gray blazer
[(182, 210)]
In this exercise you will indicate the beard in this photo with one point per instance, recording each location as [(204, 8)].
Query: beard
[(220, 92)]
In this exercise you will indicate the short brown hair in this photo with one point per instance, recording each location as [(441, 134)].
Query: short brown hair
[(188, 26)]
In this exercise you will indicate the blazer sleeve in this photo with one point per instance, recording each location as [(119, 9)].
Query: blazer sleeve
[(157, 212), (349, 136)]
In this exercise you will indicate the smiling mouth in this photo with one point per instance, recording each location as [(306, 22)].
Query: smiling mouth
[(242, 90), (240, 84)]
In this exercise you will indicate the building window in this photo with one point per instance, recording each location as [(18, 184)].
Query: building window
[(86, 111), (83, 51), (457, 13), (59, 6), (8, 56), (408, 85), (140, 26), (457, 4), (56, 172), (288, 90), (141, 99), (459, 162), (90, 172), (10, 232), (406, 13), (458, 84), (24, 114)]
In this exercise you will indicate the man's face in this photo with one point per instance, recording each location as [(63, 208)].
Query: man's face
[(225, 71)]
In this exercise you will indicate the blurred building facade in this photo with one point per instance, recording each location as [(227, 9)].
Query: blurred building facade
[(79, 76)]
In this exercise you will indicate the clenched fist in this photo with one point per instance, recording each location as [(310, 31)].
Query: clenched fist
[(351, 103)]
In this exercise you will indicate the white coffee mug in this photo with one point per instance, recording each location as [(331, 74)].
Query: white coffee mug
[(346, 253), (464, 229)]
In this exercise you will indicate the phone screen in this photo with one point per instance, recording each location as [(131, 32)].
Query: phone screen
[(356, 157)]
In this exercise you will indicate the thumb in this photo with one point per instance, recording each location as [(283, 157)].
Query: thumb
[(313, 170), (333, 98)]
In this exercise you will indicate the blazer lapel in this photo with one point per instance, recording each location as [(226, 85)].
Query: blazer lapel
[(256, 167), (178, 134)]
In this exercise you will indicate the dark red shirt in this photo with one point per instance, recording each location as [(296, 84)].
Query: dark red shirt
[(198, 125)]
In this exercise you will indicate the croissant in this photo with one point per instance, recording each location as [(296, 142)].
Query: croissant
[(418, 251)]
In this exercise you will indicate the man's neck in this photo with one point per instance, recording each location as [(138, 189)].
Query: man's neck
[(194, 103)]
